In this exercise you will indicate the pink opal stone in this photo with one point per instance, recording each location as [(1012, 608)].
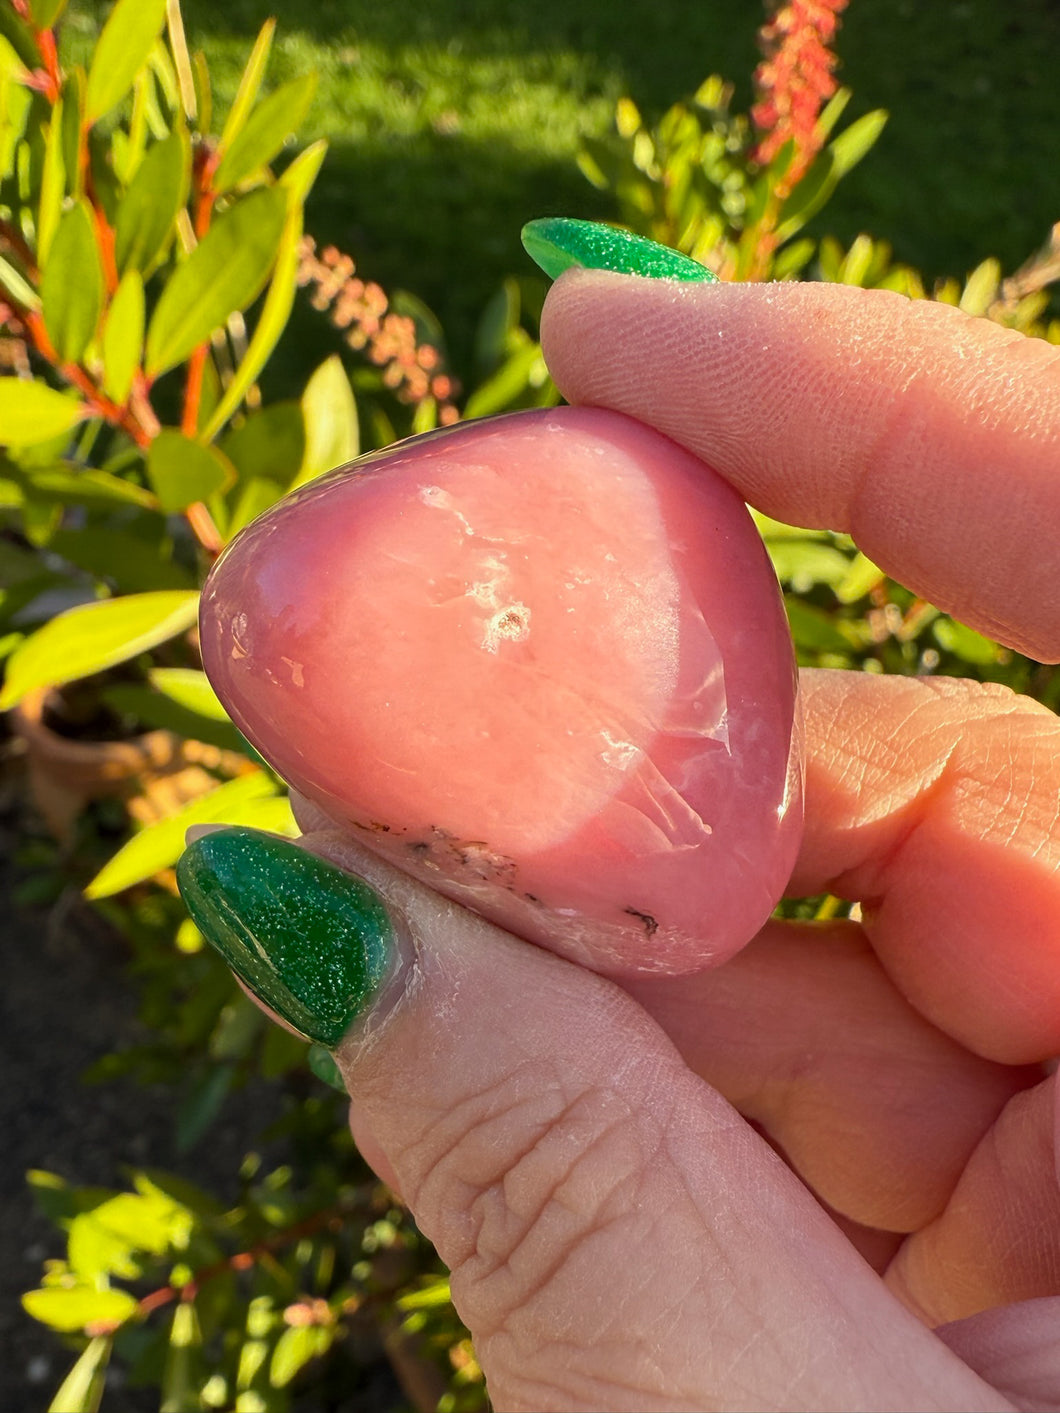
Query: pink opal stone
[(539, 661)]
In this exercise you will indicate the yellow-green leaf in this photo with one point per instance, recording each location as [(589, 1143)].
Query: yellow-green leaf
[(32, 413), (189, 688), (182, 1376), (73, 99), (121, 52), (52, 185), (295, 1348), (861, 578), (331, 432), (299, 177), (226, 272), (123, 337), (15, 103), (82, 1389), (95, 636), (271, 323), (90, 488), (249, 85), (250, 800), (46, 12), (182, 471), (147, 215), (266, 130), (14, 284), (73, 1307), (72, 284)]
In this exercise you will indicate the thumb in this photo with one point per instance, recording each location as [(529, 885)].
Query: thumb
[(617, 1236)]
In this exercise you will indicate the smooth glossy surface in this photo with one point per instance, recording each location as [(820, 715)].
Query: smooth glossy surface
[(558, 243), (540, 661), (309, 940)]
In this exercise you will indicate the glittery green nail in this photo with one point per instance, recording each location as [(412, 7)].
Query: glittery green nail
[(557, 243), (311, 942)]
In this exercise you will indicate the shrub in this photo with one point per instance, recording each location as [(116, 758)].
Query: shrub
[(148, 265)]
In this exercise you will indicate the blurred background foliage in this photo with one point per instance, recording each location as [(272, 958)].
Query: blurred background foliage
[(448, 125)]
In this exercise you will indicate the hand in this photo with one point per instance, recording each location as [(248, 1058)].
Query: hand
[(618, 1236)]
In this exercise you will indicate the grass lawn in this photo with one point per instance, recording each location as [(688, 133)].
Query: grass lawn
[(453, 121)]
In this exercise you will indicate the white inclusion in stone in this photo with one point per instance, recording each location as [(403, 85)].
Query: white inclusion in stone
[(510, 624)]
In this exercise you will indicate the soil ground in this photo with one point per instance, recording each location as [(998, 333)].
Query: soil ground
[(64, 1002)]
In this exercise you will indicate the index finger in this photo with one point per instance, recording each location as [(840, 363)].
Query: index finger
[(932, 437)]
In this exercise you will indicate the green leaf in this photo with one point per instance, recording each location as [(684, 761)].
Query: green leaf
[(256, 495), (855, 141), (965, 642), (147, 214), (95, 636), (133, 557), (90, 488), (32, 413), (332, 436), (813, 630), (46, 12), (182, 1376), (266, 130), (270, 442), (202, 1105), (271, 323), (189, 688), (249, 85), (73, 1307), (72, 284), (803, 563), (183, 471), (295, 1348), (242, 801), (123, 337), (226, 272), (510, 381), (52, 185), (82, 1389), (73, 120), (121, 52)]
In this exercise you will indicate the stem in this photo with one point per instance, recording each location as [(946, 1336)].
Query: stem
[(50, 55), (204, 527), (244, 1260)]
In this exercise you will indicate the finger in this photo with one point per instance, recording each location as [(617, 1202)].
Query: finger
[(875, 1108), (932, 437), (1014, 1348), (998, 1240), (617, 1237), (937, 804)]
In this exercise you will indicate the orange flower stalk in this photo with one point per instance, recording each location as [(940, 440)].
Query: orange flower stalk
[(361, 308), (794, 81)]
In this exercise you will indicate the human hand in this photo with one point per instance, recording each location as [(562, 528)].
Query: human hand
[(618, 1237)]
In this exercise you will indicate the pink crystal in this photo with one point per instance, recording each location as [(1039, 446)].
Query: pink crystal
[(539, 661)]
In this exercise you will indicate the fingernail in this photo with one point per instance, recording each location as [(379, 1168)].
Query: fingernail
[(556, 243), (310, 941)]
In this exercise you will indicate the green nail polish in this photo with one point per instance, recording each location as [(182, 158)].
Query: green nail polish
[(311, 942), (556, 243)]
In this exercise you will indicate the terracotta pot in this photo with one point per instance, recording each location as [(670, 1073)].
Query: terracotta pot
[(155, 773)]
